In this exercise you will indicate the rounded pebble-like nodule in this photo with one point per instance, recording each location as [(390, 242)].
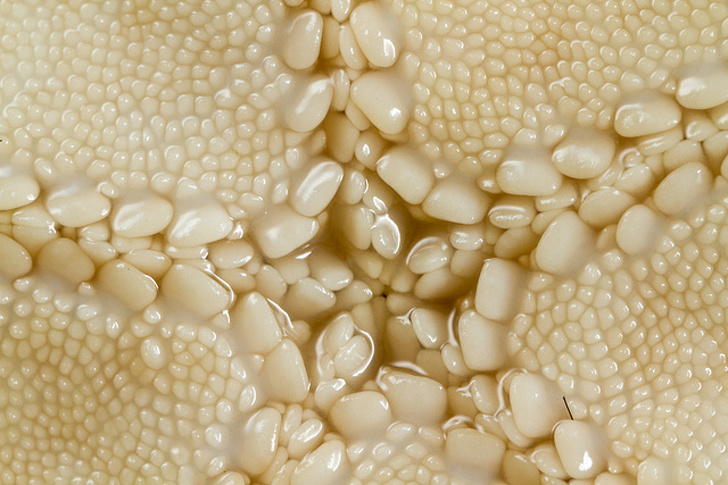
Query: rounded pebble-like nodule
[(77, 206), (483, 342), (537, 405), (377, 32), (317, 188), (584, 153), (63, 257), (197, 221), (638, 229), (407, 172), (128, 284), (582, 447), (284, 374), (141, 215), (309, 104), (458, 200), (604, 206), (361, 415), (282, 230), (17, 190), (646, 113), (528, 171), (14, 258), (512, 211), (406, 393), (565, 245), (326, 465), (154, 353), (231, 478), (683, 188), (227, 254), (498, 292), (384, 99), (607, 478), (253, 320), (430, 327), (655, 470), (703, 86), (194, 290), (305, 438), (474, 449), (259, 441), (302, 46)]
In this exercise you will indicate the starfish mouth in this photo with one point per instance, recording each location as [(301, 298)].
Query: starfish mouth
[(333, 241)]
